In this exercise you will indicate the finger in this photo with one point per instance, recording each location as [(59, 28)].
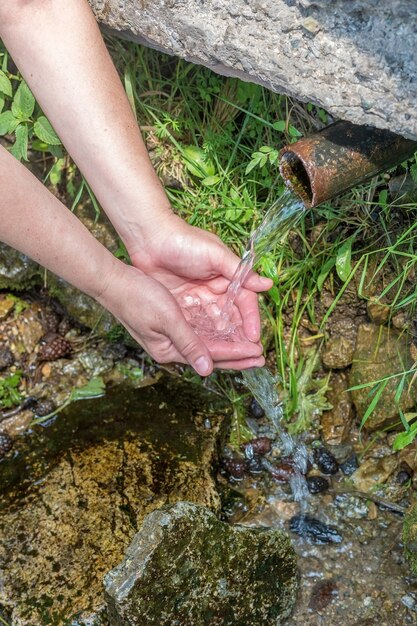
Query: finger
[(243, 364), (190, 346), (247, 303), (233, 350), (226, 265), (258, 283)]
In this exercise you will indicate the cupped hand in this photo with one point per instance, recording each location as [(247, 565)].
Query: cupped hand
[(153, 317), (191, 261)]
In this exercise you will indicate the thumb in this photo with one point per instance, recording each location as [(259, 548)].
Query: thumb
[(190, 346), (227, 263)]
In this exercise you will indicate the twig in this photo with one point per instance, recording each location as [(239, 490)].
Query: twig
[(392, 506)]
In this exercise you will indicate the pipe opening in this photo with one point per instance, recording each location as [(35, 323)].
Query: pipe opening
[(296, 177)]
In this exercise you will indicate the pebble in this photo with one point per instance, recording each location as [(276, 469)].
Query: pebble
[(317, 484), (314, 530), (325, 460), (260, 445), (236, 468), (256, 410), (350, 465), (322, 594)]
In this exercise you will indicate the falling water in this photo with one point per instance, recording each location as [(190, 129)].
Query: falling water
[(216, 323)]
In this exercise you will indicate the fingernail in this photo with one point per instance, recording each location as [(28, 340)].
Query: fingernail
[(202, 366)]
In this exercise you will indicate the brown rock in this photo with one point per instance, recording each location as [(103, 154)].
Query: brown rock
[(380, 352), (378, 312), (6, 305), (338, 351), (335, 424), (374, 472)]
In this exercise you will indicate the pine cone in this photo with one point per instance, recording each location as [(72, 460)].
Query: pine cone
[(6, 444), (6, 357), (53, 347), (44, 407), (49, 320)]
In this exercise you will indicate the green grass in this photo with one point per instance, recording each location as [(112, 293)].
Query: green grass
[(214, 142)]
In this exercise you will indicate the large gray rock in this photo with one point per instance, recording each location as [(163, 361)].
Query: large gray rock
[(357, 59), (186, 568)]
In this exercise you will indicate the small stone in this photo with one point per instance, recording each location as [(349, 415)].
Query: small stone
[(317, 484), (235, 468), (6, 444), (322, 594), (43, 407), (314, 530), (255, 466), (400, 321), (281, 472), (377, 312), (6, 306), (325, 460), (336, 422), (403, 477), (374, 472), (256, 410), (260, 445), (6, 357), (311, 25), (350, 465)]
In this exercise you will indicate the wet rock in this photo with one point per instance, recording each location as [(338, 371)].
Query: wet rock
[(255, 466), (255, 409), (325, 460), (74, 493), (260, 445), (186, 567), (374, 472), (6, 444), (380, 352), (29, 328), (378, 312), (350, 465), (403, 477), (339, 348), (314, 530), (235, 468), (281, 472), (6, 357), (6, 306), (317, 484), (43, 407), (17, 271), (336, 423), (410, 536), (323, 592)]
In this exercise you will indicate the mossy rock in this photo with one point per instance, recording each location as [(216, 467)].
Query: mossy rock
[(186, 567), (410, 536)]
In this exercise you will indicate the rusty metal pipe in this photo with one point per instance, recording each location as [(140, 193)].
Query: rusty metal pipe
[(339, 157)]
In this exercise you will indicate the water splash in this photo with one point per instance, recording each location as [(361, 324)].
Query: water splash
[(216, 323), (262, 385)]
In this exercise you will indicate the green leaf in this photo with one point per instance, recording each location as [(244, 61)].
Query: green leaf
[(404, 439), (197, 163), (23, 102), (293, 132), (280, 126), (343, 258), (1, 102), (211, 180), (55, 173), (8, 122), (93, 389), (44, 131), (324, 272), (5, 84), (20, 146)]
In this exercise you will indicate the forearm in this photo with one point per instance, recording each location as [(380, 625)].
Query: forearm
[(59, 49), (36, 223)]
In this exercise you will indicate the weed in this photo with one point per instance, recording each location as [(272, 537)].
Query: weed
[(9, 390)]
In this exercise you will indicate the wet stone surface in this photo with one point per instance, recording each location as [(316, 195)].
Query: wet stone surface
[(186, 568), (74, 493)]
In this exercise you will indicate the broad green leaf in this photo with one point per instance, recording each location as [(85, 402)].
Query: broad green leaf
[(5, 84), (44, 131), (404, 439), (1, 102), (20, 146), (93, 389), (265, 149), (211, 180), (343, 258), (293, 132), (23, 102), (280, 126), (197, 162), (8, 122)]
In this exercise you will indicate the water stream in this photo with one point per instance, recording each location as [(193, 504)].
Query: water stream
[(218, 324)]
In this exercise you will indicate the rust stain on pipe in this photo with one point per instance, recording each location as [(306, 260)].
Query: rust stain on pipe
[(339, 157)]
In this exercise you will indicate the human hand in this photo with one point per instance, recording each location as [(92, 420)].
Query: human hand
[(192, 262), (154, 318)]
